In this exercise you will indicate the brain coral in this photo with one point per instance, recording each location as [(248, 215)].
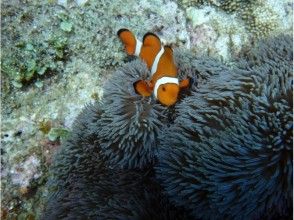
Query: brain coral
[(81, 186), (228, 154)]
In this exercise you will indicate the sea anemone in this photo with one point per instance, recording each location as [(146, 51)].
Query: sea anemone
[(228, 154), (130, 123), (112, 194), (81, 185), (80, 153), (200, 69)]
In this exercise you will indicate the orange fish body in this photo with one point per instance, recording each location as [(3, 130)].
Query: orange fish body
[(159, 59)]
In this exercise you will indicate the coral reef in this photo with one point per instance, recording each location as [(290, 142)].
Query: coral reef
[(222, 28), (215, 33), (261, 18), (29, 59), (229, 152), (60, 52), (24, 172)]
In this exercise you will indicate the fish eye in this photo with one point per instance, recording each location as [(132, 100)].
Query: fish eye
[(163, 88)]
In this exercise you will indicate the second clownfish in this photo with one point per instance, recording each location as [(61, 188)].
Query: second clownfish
[(159, 59)]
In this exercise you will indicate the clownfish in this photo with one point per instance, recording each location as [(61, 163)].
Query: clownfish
[(159, 59)]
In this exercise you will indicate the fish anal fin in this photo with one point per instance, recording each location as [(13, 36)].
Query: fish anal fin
[(142, 88)]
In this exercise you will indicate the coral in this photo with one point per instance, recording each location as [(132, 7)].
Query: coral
[(28, 61), (81, 185), (261, 18), (188, 3), (29, 57), (215, 33), (45, 126), (232, 6), (260, 21), (202, 37), (22, 177), (22, 174), (229, 152), (130, 124), (226, 5)]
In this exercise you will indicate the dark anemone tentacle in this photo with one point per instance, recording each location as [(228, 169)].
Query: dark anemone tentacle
[(229, 153), (82, 186), (130, 123)]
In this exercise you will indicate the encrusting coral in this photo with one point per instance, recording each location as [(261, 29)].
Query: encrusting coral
[(229, 152), (223, 152), (259, 17)]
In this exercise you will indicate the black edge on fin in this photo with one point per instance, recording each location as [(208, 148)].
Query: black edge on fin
[(121, 30), (149, 33), (169, 46)]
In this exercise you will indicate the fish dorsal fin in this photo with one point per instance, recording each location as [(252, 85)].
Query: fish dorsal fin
[(150, 48), (129, 40), (169, 51)]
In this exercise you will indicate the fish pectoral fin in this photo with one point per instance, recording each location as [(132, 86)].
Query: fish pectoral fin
[(186, 83), (142, 88), (128, 39)]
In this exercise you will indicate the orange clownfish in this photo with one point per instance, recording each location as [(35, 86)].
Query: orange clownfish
[(159, 59)]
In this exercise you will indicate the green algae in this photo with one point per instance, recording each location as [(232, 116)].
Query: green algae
[(58, 133), (66, 26), (45, 126), (30, 60), (31, 50)]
